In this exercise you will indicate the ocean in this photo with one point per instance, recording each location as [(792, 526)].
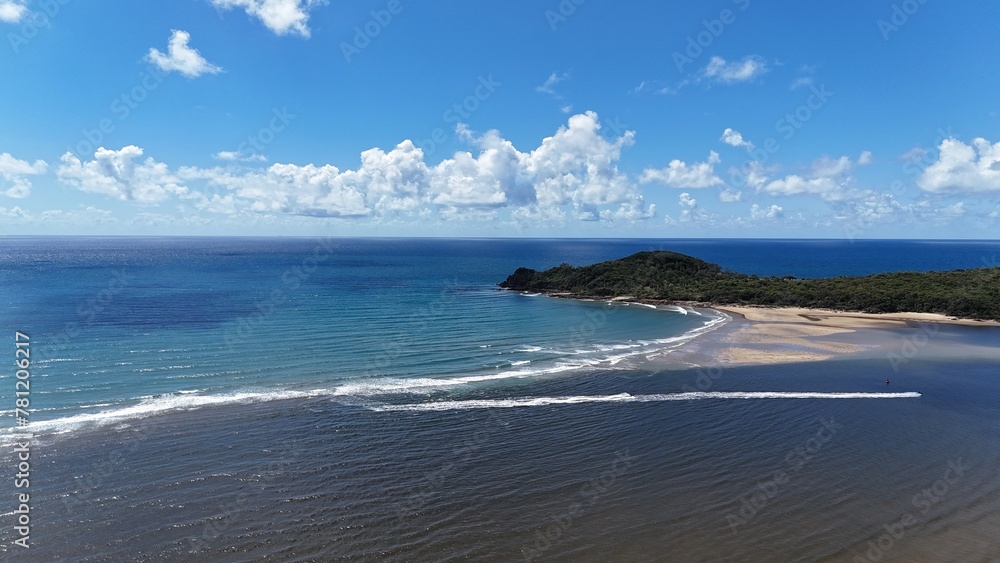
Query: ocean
[(298, 399)]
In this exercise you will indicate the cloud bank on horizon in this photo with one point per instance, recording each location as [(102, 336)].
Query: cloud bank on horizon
[(392, 118)]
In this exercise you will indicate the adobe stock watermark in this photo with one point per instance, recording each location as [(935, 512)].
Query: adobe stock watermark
[(705, 379), (120, 109), (588, 495), (35, 22), (895, 531), (786, 126), (291, 280), (582, 333), (87, 312), (393, 349), (696, 44), (912, 344), (917, 160), (88, 483), (562, 13), (367, 32), (255, 144), (273, 474), (920, 158), (900, 15), (461, 110), (432, 483), (754, 501), (618, 128)]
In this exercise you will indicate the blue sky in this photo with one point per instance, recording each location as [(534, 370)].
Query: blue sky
[(576, 118)]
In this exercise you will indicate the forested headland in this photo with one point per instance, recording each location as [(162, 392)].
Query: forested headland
[(670, 276)]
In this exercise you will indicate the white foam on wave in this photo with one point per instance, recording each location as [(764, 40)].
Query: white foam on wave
[(151, 406), (190, 399), (628, 398), (425, 385), (682, 310), (572, 360), (175, 402)]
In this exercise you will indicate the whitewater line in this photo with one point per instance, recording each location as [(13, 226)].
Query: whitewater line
[(628, 398)]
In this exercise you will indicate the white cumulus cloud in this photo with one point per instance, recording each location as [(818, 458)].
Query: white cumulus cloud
[(15, 213), (305, 190), (577, 164), (869, 210), (679, 174), (181, 57), (13, 172), (628, 212), (11, 11), (773, 212), (283, 17), (730, 72), (953, 210), (963, 168), (117, 174), (827, 188), (730, 196), (830, 179), (733, 138), (535, 215), (689, 209), (573, 171)]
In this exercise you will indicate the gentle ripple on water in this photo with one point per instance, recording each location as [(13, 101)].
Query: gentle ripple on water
[(312, 479)]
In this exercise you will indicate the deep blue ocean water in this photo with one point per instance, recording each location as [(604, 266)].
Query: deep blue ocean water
[(382, 399)]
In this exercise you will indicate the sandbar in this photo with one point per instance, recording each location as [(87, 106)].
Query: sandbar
[(765, 335)]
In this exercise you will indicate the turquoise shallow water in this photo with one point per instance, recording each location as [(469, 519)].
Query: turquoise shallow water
[(126, 328), (236, 399)]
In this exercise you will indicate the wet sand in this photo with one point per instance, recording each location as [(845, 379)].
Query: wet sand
[(785, 335), (845, 319)]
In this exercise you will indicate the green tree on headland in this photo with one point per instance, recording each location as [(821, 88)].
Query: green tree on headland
[(670, 276)]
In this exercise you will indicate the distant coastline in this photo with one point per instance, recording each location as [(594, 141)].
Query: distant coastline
[(673, 278)]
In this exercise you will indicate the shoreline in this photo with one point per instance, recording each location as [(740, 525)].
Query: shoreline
[(844, 319), (791, 334), (800, 315), (775, 335)]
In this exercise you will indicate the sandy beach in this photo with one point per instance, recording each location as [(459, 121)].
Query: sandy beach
[(845, 319), (784, 335)]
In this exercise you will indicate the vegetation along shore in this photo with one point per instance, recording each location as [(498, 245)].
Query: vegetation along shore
[(672, 277)]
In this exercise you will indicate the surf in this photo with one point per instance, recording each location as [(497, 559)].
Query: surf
[(629, 398)]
